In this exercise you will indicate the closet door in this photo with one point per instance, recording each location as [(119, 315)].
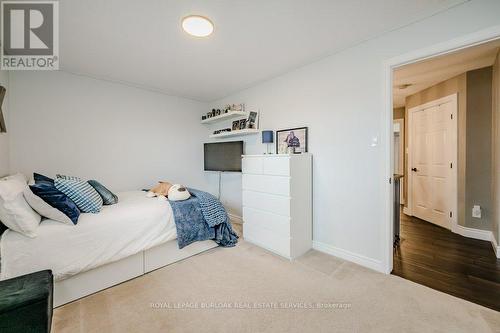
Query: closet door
[(433, 148)]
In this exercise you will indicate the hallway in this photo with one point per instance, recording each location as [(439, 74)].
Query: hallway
[(437, 258)]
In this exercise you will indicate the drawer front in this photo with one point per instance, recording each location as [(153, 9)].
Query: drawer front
[(266, 184), (252, 165), (268, 221), (276, 166), (267, 239), (267, 202)]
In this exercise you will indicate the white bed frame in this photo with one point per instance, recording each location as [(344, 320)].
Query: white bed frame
[(111, 274)]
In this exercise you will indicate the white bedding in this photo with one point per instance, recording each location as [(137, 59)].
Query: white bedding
[(134, 224)]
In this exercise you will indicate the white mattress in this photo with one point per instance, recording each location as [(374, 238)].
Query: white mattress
[(134, 224)]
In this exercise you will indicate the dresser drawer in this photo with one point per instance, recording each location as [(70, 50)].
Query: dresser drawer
[(252, 165), (264, 220), (276, 204), (266, 184), (267, 239), (276, 166)]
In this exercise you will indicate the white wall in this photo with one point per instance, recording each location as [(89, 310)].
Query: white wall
[(127, 138), (4, 137), (340, 99)]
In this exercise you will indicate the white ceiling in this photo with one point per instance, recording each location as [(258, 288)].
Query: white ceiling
[(425, 74), (141, 42)]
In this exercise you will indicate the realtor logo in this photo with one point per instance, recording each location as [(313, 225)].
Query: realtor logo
[(30, 35)]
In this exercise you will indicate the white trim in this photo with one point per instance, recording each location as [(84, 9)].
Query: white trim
[(235, 218), (472, 233), (453, 98), (452, 45), (495, 245), (388, 169), (349, 256), (402, 133), (485, 235), (406, 211)]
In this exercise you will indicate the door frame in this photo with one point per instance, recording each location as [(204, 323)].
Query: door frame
[(453, 98), (401, 122), (456, 44), (402, 155)]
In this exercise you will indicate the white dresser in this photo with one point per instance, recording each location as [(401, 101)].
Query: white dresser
[(277, 202)]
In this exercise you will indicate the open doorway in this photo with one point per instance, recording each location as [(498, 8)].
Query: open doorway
[(445, 138)]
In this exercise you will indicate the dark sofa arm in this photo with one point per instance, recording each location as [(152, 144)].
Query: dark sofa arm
[(26, 303)]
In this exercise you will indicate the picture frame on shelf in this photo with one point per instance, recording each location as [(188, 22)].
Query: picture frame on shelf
[(236, 125), (292, 140), (252, 121), (243, 123)]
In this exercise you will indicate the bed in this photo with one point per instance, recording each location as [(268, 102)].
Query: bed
[(90, 257)]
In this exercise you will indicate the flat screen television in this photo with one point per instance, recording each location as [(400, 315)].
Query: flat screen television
[(223, 156)]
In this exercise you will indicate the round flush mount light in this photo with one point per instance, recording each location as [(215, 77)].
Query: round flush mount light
[(198, 26)]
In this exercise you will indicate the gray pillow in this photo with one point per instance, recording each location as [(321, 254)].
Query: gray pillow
[(108, 197)]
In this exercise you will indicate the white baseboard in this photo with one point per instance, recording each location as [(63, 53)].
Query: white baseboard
[(472, 233), (235, 218), (478, 234), (495, 245), (350, 256), (406, 211)]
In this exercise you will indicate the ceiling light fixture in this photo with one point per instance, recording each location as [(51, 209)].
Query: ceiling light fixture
[(198, 26)]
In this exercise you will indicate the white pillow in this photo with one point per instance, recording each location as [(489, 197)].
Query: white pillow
[(10, 186), (44, 209), (15, 212)]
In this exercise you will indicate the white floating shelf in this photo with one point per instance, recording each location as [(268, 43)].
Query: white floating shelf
[(225, 116), (246, 131)]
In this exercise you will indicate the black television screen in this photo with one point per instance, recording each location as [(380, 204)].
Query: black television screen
[(223, 156)]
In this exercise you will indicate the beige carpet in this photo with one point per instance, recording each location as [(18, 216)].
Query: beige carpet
[(246, 289)]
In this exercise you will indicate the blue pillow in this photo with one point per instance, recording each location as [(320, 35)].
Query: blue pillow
[(41, 178), (85, 197), (47, 191), (108, 197)]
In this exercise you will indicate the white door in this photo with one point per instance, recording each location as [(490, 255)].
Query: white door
[(433, 151)]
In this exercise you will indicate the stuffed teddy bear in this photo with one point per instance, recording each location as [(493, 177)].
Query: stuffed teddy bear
[(160, 190)]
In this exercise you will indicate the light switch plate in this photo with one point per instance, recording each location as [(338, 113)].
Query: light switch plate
[(476, 211)]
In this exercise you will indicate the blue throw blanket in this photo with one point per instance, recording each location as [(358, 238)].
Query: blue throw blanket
[(202, 217)]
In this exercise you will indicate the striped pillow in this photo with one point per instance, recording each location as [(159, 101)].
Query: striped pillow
[(68, 177), (81, 193)]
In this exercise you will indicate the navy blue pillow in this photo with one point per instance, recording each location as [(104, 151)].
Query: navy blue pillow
[(108, 197), (44, 188), (41, 178)]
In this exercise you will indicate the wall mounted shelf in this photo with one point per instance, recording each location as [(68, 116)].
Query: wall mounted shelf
[(247, 131), (225, 116)]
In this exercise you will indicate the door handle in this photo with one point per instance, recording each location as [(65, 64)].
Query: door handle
[(414, 169)]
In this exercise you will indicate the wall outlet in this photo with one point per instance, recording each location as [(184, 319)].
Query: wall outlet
[(476, 211)]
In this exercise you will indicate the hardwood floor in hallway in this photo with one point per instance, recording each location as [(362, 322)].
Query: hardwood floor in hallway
[(437, 258)]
